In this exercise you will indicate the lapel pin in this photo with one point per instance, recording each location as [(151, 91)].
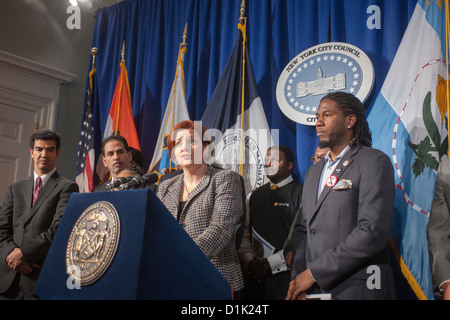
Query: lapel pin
[(331, 181)]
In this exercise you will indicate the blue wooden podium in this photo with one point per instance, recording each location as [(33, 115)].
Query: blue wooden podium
[(155, 258)]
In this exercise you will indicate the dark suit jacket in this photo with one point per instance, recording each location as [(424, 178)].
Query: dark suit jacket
[(343, 232), (31, 228), (101, 187), (438, 227)]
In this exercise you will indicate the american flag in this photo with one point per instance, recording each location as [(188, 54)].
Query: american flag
[(86, 153)]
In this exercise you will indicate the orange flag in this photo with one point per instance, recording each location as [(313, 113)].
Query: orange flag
[(120, 120)]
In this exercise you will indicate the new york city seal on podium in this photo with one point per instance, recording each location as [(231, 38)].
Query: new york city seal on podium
[(93, 243)]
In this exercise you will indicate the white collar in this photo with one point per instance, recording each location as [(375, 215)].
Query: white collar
[(44, 177), (283, 182)]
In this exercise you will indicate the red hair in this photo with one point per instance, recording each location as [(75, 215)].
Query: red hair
[(186, 124)]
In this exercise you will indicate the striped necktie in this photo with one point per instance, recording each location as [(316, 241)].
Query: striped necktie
[(37, 189)]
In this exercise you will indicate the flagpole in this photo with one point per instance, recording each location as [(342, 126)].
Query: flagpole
[(447, 88), (242, 26), (183, 49), (122, 63), (94, 52)]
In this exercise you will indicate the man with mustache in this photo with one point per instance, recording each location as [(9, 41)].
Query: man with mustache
[(116, 157), (341, 235)]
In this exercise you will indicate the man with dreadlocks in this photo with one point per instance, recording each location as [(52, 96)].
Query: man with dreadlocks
[(340, 241)]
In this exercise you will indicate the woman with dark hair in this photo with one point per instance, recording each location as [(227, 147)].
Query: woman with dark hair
[(204, 200)]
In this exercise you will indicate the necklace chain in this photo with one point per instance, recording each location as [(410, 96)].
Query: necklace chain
[(185, 188)]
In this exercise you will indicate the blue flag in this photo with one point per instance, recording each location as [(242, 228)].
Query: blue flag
[(236, 119), (409, 123)]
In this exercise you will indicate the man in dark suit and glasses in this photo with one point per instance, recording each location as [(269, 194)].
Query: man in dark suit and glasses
[(342, 232), (29, 218)]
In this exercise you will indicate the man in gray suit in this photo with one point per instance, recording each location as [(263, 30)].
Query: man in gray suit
[(438, 231), (340, 241), (30, 215)]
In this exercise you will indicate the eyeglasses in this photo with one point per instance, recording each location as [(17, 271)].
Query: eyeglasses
[(316, 158)]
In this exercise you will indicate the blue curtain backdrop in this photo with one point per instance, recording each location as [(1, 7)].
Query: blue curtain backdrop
[(278, 30)]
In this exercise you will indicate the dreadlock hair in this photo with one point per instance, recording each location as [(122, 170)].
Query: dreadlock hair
[(349, 104)]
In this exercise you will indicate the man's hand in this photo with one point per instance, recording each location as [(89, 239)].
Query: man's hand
[(299, 285), (16, 261)]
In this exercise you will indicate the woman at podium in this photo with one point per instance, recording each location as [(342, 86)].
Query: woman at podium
[(205, 200)]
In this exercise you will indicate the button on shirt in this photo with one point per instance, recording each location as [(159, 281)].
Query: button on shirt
[(328, 168)]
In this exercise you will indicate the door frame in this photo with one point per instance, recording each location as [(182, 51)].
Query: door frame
[(32, 86)]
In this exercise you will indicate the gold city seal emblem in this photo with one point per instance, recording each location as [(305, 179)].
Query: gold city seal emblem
[(93, 243)]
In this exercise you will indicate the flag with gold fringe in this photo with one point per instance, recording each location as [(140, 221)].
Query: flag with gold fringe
[(236, 119), (409, 123), (84, 170), (176, 111), (120, 118)]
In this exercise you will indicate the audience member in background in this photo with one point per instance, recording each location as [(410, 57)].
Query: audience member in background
[(438, 231), (137, 159), (271, 211), (319, 154)]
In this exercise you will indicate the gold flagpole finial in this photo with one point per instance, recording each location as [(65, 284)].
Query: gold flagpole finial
[(184, 35), (94, 52), (242, 11), (123, 51)]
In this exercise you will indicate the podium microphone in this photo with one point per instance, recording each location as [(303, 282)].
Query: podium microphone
[(150, 178), (133, 183), (137, 181), (116, 183)]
